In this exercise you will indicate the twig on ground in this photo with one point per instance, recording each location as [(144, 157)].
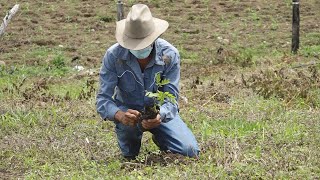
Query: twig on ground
[(134, 164), (209, 100), (312, 63)]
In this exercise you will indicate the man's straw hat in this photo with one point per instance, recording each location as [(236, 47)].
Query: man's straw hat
[(139, 29)]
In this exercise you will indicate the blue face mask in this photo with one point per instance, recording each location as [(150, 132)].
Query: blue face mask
[(143, 53)]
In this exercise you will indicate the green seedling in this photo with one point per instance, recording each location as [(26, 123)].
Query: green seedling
[(159, 97)]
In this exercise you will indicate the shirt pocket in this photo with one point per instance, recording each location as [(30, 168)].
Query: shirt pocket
[(127, 81)]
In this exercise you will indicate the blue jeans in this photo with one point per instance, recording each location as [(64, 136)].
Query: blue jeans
[(174, 136)]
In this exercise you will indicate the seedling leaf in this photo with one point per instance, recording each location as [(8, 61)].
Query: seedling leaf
[(160, 82)]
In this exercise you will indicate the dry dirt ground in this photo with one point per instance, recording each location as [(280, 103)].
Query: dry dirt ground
[(83, 30), (47, 108)]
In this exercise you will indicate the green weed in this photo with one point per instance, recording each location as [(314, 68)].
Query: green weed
[(59, 61), (311, 51), (188, 56)]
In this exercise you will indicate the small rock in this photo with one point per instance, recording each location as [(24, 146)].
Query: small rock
[(184, 99), (226, 41), (78, 68), (223, 41), (2, 63), (90, 72)]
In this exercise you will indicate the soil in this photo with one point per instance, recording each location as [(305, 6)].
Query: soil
[(150, 112), (162, 159)]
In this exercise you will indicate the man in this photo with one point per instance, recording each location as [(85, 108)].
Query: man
[(128, 71)]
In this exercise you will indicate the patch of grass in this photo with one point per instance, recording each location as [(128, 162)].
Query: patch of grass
[(59, 61), (312, 38), (311, 51), (106, 18), (188, 56), (156, 3), (73, 89), (41, 53), (245, 57), (229, 128)]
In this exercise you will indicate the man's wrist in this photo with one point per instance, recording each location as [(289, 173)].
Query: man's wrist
[(118, 116)]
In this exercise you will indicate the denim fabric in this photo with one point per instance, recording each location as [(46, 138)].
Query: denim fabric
[(123, 84), (174, 136)]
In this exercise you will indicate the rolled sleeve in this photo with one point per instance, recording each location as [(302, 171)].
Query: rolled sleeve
[(169, 110), (106, 105)]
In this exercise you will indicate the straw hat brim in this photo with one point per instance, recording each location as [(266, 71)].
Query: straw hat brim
[(137, 44)]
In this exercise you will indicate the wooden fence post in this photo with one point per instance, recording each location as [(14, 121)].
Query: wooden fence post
[(120, 14), (8, 17), (295, 26)]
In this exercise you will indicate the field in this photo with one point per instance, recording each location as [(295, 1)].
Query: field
[(253, 106)]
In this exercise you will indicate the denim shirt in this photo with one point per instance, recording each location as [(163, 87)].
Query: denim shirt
[(123, 85)]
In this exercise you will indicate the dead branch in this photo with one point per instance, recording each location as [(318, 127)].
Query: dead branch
[(8, 17)]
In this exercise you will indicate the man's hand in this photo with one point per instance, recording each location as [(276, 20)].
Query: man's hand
[(129, 118), (151, 123)]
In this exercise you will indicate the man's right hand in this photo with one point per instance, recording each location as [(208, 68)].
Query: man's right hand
[(129, 118)]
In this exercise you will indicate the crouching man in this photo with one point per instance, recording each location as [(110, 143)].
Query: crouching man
[(128, 72)]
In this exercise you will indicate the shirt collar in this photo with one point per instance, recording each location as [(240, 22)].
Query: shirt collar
[(158, 54)]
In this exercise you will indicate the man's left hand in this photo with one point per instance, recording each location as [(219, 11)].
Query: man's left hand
[(151, 123)]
